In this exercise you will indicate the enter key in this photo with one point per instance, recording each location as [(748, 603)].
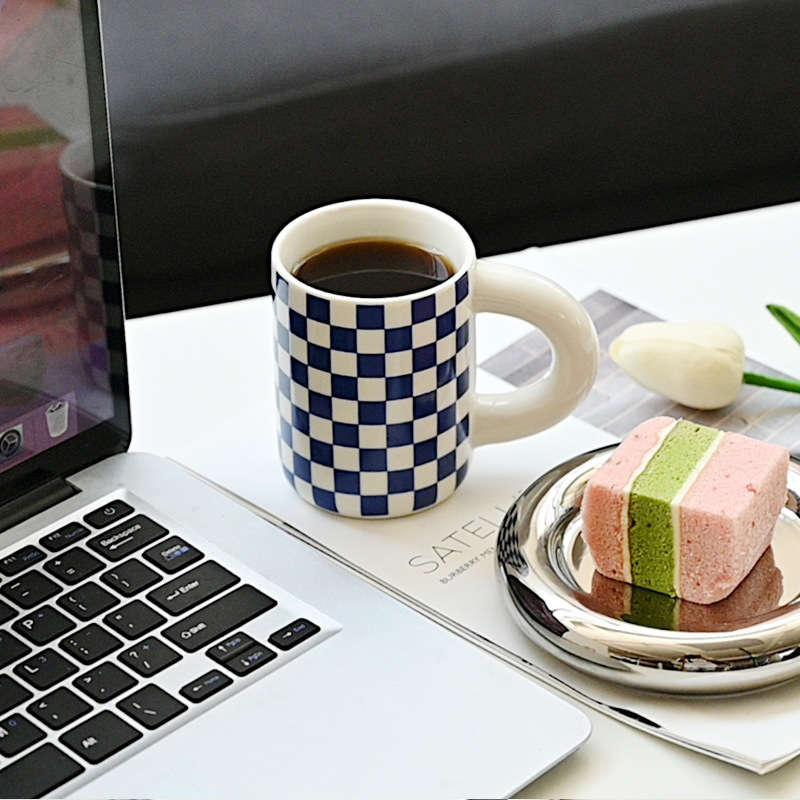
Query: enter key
[(192, 588)]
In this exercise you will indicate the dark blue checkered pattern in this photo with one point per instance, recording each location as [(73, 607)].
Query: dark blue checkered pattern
[(373, 399), (91, 225)]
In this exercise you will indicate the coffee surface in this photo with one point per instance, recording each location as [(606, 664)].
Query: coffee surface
[(374, 268)]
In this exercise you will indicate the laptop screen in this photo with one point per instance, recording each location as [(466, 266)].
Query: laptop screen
[(60, 311)]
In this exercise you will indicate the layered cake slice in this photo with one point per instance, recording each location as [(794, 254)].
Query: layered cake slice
[(684, 509)]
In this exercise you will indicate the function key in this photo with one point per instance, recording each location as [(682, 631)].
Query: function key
[(87, 601), (231, 646), (43, 625), (205, 686), (38, 773), (64, 537), (118, 543), (130, 577), (134, 619), (30, 590), (11, 649), (105, 682), (45, 669), (109, 514), (100, 737), (59, 708), (17, 733), (149, 656), (12, 694), (90, 644), (73, 566), (172, 554), (292, 634), (151, 706), (21, 559), (250, 660)]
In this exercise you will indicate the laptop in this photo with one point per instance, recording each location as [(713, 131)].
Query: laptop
[(157, 639)]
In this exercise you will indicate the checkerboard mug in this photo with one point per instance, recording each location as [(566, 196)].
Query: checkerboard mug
[(378, 413)]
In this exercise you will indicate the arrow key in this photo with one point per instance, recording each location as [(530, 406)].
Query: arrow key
[(292, 634), (206, 685)]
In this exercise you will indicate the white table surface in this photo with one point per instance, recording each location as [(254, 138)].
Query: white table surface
[(188, 368)]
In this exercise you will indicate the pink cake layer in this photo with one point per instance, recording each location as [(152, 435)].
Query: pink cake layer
[(604, 506), (728, 515)]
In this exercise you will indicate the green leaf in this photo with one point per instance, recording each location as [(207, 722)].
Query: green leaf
[(787, 318)]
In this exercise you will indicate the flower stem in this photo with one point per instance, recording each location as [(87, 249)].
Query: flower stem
[(785, 384)]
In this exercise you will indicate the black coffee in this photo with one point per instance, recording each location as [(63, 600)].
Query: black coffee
[(374, 268)]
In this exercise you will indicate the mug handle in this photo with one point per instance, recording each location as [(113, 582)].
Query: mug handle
[(504, 289)]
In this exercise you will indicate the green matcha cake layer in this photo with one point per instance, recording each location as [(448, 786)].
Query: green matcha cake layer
[(651, 533)]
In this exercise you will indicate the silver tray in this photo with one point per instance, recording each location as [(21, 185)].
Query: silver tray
[(634, 636)]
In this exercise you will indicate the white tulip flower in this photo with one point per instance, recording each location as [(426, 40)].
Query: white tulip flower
[(696, 364)]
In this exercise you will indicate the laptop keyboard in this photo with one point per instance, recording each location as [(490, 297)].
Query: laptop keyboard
[(116, 630)]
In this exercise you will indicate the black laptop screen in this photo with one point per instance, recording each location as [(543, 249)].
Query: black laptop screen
[(59, 285)]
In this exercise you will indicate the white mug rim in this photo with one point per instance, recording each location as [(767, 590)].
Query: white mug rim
[(285, 272), (80, 151)]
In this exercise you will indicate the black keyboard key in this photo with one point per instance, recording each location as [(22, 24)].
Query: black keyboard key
[(38, 773), (64, 537), (149, 656), (20, 560), (59, 708), (130, 577), (87, 601), (173, 554), (109, 514), (100, 737), (43, 625), (205, 686), (11, 694), (90, 644), (105, 682), (151, 706), (231, 646), (31, 589), (250, 660), (45, 669), (292, 634), (120, 542), (192, 588), (6, 612), (11, 649), (74, 566), (218, 618), (16, 734), (134, 619)]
